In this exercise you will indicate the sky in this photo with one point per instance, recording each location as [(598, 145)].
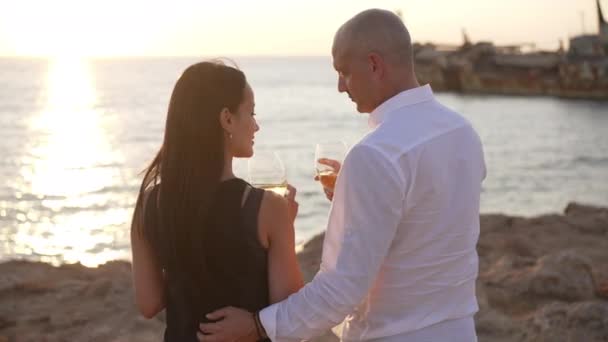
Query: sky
[(269, 27)]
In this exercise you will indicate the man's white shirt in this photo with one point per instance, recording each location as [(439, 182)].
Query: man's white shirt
[(399, 252)]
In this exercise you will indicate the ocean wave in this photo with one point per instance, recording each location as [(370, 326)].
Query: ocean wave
[(17, 196), (117, 189), (98, 166), (591, 160), (575, 161)]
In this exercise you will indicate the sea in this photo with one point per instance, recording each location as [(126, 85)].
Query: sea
[(75, 135)]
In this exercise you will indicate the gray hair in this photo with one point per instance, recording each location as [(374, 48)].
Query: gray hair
[(378, 31)]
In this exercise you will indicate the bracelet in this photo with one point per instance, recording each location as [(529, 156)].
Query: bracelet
[(259, 327)]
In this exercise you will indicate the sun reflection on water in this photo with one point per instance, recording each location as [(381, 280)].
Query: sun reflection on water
[(69, 164)]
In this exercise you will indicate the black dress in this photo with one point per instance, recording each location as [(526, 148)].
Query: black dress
[(237, 263)]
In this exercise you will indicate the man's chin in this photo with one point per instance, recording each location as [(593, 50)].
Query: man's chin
[(362, 109)]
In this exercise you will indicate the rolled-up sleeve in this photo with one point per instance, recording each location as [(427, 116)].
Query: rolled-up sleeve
[(367, 207)]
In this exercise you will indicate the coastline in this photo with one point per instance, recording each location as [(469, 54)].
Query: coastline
[(540, 278)]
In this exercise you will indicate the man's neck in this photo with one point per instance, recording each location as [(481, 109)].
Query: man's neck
[(399, 87)]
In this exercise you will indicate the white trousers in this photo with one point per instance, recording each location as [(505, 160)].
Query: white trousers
[(456, 330)]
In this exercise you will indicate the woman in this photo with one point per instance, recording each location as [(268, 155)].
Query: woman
[(201, 238)]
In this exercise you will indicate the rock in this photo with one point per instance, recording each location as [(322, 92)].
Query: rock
[(6, 322), (602, 289), (577, 209), (493, 326), (98, 288), (8, 282), (587, 219), (519, 246), (565, 276), (309, 257), (541, 279), (585, 321)]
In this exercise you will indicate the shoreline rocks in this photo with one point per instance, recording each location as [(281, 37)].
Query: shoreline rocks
[(542, 278)]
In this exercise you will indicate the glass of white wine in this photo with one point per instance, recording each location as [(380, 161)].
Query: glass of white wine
[(267, 171), (328, 158)]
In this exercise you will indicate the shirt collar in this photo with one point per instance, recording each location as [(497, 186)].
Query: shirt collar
[(405, 98)]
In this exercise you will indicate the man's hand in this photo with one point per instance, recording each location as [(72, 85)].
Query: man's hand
[(235, 325), (335, 165)]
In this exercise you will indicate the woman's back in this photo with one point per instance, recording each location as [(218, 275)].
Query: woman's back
[(195, 243), (236, 262)]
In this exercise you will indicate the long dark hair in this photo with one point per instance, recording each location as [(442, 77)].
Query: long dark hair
[(187, 170)]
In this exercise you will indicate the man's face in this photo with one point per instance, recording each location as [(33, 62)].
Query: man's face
[(355, 79)]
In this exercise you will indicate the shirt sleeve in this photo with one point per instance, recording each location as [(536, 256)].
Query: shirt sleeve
[(368, 204)]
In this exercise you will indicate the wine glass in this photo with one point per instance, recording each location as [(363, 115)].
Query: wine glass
[(328, 158), (266, 171)]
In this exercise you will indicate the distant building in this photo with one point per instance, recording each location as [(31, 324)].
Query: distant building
[(588, 45), (602, 27), (482, 67), (592, 45)]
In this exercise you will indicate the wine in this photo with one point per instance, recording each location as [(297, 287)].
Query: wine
[(328, 158), (280, 189), (328, 179)]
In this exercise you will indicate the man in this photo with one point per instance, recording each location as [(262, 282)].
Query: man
[(399, 259)]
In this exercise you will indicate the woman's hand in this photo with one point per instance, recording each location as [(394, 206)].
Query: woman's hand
[(292, 204)]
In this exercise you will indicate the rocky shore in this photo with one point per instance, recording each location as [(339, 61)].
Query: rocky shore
[(541, 279)]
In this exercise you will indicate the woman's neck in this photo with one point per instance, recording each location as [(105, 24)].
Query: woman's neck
[(227, 171)]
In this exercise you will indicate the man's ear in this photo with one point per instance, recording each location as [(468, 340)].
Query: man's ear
[(376, 64), (226, 120)]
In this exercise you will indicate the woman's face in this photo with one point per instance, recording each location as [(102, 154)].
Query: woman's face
[(244, 126)]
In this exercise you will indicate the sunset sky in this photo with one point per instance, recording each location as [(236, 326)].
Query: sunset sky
[(268, 27)]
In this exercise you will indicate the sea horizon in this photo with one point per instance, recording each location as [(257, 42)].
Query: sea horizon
[(77, 135)]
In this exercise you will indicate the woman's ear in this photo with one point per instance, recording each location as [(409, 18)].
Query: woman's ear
[(226, 120)]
